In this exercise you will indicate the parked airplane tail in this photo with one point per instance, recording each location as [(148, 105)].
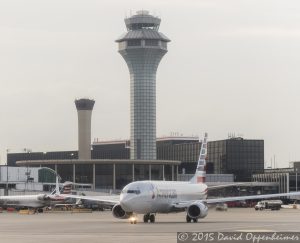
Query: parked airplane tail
[(67, 187), (200, 173), (56, 190)]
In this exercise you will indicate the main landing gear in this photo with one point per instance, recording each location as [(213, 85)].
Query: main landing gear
[(189, 219), (149, 217)]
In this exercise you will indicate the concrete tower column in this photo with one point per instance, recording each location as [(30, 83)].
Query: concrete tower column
[(84, 109), (142, 47)]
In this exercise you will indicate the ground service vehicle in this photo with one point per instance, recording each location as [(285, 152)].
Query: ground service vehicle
[(268, 204)]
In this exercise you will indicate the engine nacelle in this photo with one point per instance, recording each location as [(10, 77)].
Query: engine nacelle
[(42, 197), (197, 210), (118, 212)]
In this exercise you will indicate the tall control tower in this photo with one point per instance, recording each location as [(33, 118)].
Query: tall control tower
[(84, 109), (142, 47)]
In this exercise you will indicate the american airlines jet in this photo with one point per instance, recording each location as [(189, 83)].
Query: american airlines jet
[(35, 201), (152, 197)]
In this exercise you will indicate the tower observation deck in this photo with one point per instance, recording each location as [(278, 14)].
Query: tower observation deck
[(142, 47)]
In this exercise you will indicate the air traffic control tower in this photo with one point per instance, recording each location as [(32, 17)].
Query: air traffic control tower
[(142, 47), (84, 109)]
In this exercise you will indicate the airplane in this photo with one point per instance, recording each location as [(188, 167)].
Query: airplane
[(152, 197), (36, 202)]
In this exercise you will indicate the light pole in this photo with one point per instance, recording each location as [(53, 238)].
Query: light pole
[(7, 150), (296, 179), (6, 179)]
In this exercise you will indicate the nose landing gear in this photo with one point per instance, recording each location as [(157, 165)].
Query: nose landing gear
[(149, 217), (189, 219), (133, 219)]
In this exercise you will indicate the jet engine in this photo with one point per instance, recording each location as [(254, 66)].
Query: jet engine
[(119, 213), (43, 197), (197, 210)]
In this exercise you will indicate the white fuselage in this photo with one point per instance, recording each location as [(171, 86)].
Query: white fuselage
[(30, 201), (22, 201), (145, 197)]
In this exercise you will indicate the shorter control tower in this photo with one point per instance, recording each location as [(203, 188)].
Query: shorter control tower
[(84, 109)]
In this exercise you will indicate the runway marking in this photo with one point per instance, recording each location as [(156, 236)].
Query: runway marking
[(237, 228), (255, 230)]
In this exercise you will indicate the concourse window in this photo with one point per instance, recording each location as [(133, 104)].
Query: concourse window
[(141, 172), (123, 175), (84, 173), (156, 172), (104, 176), (65, 171)]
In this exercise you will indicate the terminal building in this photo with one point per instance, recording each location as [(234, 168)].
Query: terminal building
[(110, 165), (286, 178)]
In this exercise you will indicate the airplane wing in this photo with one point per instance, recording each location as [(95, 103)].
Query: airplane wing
[(185, 204), (242, 198), (215, 187), (104, 200)]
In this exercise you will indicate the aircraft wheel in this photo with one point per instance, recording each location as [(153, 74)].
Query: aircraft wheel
[(146, 218), (188, 219), (152, 218), (195, 220)]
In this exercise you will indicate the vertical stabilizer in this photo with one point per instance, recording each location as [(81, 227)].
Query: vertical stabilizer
[(56, 191), (200, 173), (67, 187)]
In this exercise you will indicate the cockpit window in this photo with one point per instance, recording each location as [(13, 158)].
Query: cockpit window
[(134, 191)]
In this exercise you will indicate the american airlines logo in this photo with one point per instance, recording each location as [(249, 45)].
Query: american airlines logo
[(166, 193)]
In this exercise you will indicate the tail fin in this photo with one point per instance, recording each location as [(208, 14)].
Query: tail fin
[(200, 173), (67, 186), (57, 186), (56, 190)]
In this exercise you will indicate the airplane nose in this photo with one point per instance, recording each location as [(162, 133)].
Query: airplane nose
[(127, 203)]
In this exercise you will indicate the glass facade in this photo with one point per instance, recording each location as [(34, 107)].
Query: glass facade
[(111, 151), (65, 171), (237, 156), (182, 150), (104, 176), (46, 176), (141, 172), (84, 173), (168, 172), (13, 157), (157, 172), (123, 175)]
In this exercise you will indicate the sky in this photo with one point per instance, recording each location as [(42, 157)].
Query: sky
[(232, 67)]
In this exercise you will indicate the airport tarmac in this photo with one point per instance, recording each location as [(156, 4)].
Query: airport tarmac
[(103, 227)]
